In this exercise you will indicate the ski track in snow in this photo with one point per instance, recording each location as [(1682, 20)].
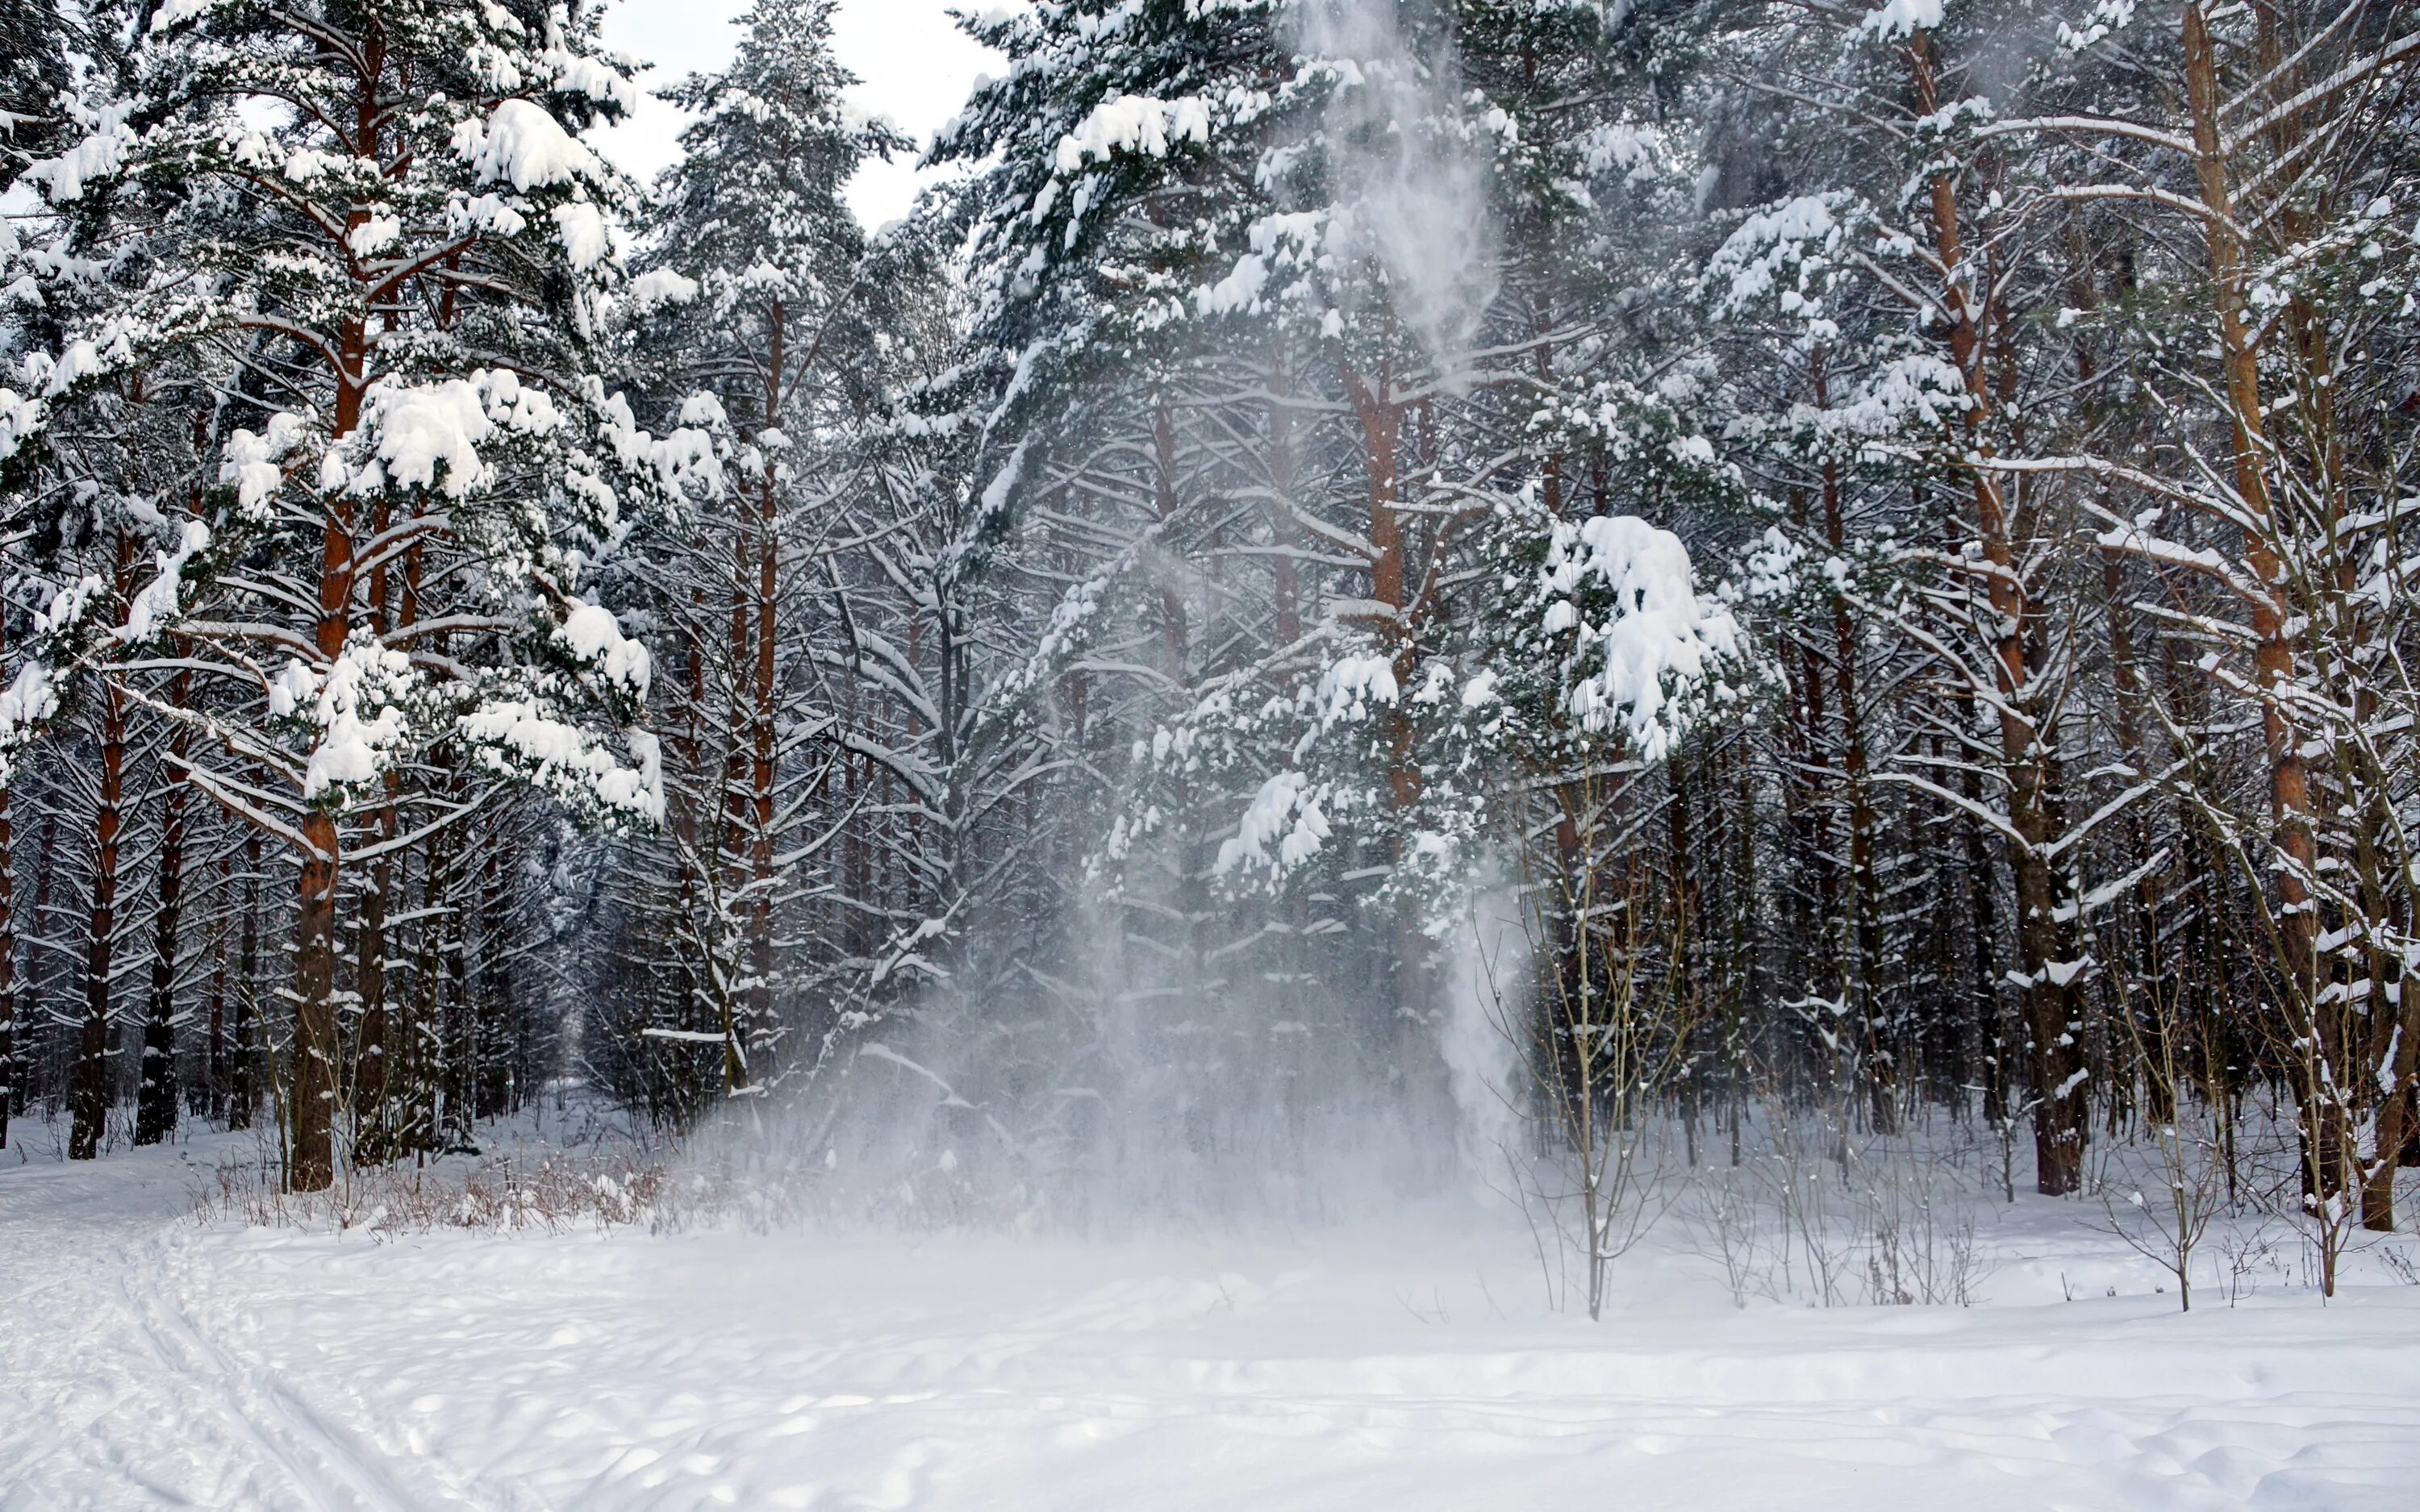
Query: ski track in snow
[(146, 1361)]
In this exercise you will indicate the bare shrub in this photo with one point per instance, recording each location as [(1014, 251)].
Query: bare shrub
[(2399, 1264), (1812, 1217), (545, 1192), (1600, 1041)]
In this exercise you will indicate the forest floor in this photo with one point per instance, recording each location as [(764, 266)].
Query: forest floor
[(148, 1358)]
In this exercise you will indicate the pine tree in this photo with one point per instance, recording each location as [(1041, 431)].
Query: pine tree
[(769, 299), (33, 76), (362, 236)]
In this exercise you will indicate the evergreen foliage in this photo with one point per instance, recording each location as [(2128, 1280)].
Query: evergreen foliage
[(1882, 530)]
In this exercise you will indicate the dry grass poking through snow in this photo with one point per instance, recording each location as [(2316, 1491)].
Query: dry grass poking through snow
[(599, 1176)]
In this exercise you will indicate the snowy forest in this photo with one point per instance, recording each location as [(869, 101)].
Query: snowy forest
[(1627, 584)]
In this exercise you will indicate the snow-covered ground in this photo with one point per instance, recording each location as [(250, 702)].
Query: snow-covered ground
[(150, 1360)]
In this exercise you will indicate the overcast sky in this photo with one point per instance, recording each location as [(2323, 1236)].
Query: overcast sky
[(916, 66)]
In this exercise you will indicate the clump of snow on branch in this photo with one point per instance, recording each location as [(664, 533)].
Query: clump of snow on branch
[(661, 287), (1903, 18), (585, 240), (156, 603), (1350, 687), (98, 155), (414, 431), (591, 633), (173, 12), (25, 706), (67, 606), (1286, 810), (355, 708), (2104, 18), (1776, 253), (581, 74), (249, 462), (1292, 242), (522, 738), (1132, 123), (522, 144), (1623, 594)]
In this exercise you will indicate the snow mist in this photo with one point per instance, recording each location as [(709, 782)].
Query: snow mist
[(1412, 184), (1490, 965), (1179, 1067)]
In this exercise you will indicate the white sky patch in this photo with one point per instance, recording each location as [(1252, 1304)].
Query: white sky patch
[(916, 66)]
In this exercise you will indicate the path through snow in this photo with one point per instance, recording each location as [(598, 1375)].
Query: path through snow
[(148, 1361)]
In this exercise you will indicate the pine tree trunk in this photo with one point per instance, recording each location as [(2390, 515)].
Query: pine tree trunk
[(761, 881), (2316, 1064), (155, 1100), (2052, 1008), (694, 1002), (1865, 891), (312, 1160), (243, 1077), (492, 1006), (1821, 925), (9, 1078), (9, 1075), (90, 1096), (2394, 1050), (761, 711), (1982, 943), (441, 1034), (460, 1023), (1172, 627), (412, 1093), (210, 1099), (1689, 901), (46, 853), (1381, 419), (731, 856), (1282, 535), (373, 1115)]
